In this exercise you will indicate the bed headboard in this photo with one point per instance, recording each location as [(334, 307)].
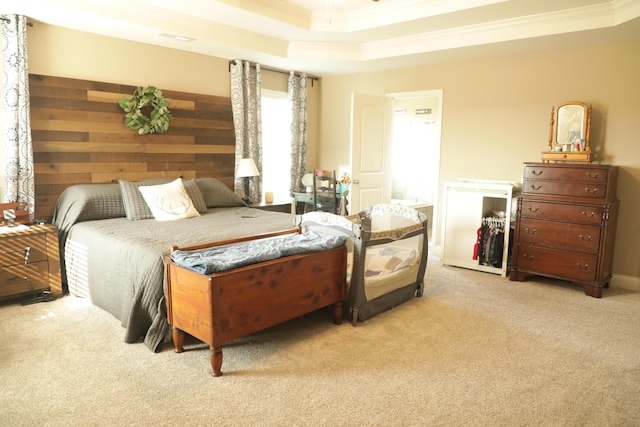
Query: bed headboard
[(79, 137)]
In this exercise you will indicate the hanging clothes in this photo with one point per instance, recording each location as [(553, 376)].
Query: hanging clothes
[(489, 245)]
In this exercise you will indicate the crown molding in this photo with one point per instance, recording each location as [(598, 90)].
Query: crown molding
[(579, 19)]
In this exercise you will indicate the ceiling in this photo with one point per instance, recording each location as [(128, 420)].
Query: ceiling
[(325, 37)]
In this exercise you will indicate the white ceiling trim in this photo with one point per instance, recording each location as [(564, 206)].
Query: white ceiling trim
[(579, 19), (626, 10), (383, 14)]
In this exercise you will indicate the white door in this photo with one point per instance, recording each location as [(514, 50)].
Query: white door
[(371, 137)]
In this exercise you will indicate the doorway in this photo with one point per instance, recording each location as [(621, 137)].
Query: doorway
[(416, 151)]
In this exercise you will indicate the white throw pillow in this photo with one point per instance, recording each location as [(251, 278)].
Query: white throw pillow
[(168, 201)]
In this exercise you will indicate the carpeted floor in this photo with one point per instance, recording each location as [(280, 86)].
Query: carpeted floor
[(476, 350)]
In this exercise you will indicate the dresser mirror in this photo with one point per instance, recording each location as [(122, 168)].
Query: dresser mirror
[(569, 133)]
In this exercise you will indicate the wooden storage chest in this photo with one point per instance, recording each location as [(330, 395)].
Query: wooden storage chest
[(227, 305)]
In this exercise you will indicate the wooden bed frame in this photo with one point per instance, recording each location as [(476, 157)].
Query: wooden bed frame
[(221, 307)]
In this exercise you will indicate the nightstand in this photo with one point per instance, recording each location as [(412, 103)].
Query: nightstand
[(29, 261), (282, 206), (324, 199)]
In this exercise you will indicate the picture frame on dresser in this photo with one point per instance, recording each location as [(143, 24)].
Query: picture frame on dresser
[(566, 219)]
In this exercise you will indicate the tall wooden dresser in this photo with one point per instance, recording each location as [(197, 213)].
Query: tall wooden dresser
[(566, 223)]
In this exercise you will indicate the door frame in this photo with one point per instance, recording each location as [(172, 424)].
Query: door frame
[(434, 93)]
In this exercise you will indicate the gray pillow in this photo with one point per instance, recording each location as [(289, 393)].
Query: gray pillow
[(218, 195), (86, 202), (195, 194), (135, 207)]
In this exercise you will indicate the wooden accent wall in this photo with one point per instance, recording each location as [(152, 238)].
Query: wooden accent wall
[(79, 137)]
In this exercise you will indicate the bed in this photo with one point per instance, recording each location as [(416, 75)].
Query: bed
[(387, 255), (112, 252)]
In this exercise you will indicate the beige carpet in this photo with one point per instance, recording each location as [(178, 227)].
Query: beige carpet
[(476, 350)]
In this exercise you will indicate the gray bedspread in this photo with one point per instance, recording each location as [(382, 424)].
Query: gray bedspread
[(118, 263)]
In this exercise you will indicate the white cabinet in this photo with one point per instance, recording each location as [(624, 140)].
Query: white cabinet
[(466, 203)]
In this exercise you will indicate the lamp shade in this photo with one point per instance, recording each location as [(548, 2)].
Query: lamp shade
[(246, 168)]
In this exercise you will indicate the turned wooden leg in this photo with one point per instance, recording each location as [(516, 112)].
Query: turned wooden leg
[(593, 291), (337, 313), (178, 339), (515, 275), (216, 360)]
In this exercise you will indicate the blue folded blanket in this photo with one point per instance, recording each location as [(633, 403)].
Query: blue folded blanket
[(228, 257)]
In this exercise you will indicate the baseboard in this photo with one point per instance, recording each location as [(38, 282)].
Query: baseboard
[(630, 283), (619, 281), (436, 250)]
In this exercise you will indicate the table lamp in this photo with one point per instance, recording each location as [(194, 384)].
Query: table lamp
[(246, 169)]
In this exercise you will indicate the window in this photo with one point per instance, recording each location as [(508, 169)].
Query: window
[(416, 149), (276, 143)]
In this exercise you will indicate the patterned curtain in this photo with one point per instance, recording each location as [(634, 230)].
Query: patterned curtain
[(298, 97), (17, 170), (246, 86)]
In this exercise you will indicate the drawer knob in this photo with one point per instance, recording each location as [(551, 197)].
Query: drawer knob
[(583, 238), (27, 252), (533, 187), (531, 231), (534, 210), (529, 257), (537, 173), (595, 175), (589, 216), (580, 267), (594, 191)]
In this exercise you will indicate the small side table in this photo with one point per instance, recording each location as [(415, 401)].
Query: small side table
[(278, 206), (30, 261)]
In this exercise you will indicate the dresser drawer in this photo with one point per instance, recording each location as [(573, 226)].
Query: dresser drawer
[(15, 250), (560, 235), (563, 265), (562, 212), (21, 278), (565, 188), (592, 175)]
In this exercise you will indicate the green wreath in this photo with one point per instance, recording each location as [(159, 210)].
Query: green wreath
[(151, 101)]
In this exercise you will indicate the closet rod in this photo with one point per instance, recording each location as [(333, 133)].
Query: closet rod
[(275, 70), (494, 221)]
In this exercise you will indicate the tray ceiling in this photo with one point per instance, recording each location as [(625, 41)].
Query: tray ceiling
[(345, 36)]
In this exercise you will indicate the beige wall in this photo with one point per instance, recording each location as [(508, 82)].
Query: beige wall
[(495, 111), (61, 52), (496, 116)]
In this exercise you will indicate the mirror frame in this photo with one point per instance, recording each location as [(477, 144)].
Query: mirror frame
[(564, 152)]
